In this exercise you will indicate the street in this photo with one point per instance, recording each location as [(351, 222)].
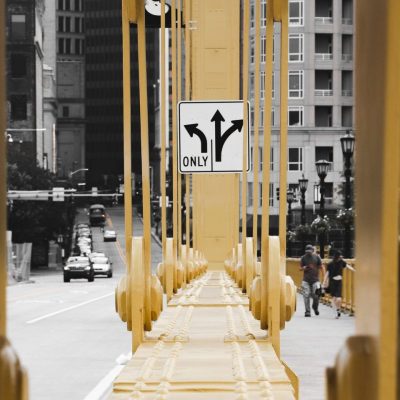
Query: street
[(68, 335)]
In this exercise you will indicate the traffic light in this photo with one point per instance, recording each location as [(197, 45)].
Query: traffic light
[(277, 193)]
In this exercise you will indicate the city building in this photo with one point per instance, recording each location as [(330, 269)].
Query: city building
[(320, 98), (25, 94), (70, 87), (104, 97)]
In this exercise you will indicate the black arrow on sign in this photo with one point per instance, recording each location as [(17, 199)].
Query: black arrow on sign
[(221, 139), (193, 130)]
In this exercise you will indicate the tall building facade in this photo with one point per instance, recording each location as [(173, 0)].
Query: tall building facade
[(320, 94), (25, 59), (104, 101), (71, 116)]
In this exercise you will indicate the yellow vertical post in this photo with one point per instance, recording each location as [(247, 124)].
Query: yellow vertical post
[(257, 90), (283, 130), (164, 85), (245, 84), (377, 183), (126, 60), (3, 181), (187, 97), (144, 133), (174, 139), (179, 97), (266, 166)]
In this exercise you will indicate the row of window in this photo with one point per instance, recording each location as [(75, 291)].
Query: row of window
[(323, 84), (323, 12), (295, 157), (323, 116), (71, 46), (70, 5), (70, 24), (323, 48)]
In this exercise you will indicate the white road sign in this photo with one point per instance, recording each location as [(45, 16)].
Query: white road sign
[(210, 136)]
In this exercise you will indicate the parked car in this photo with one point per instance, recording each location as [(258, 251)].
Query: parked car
[(96, 254), (102, 266), (78, 267), (110, 236)]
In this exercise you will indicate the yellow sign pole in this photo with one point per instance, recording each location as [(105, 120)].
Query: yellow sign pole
[(126, 60), (256, 191), (245, 83), (164, 86), (266, 166)]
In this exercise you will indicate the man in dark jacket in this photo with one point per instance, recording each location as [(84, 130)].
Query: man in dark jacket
[(311, 265)]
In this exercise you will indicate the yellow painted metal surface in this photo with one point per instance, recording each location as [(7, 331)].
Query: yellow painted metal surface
[(215, 72)]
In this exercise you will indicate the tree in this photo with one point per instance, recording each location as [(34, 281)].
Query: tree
[(33, 220)]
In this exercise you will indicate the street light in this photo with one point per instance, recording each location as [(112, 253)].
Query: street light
[(303, 183), (78, 170), (322, 171), (289, 198), (347, 143)]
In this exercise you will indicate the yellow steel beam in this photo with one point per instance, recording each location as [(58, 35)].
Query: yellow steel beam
[(126, 65), (187, 10), (257, 89), (174, 138), (144, 133), (164, 85), (245, 67), (266, 163), (179, 97)]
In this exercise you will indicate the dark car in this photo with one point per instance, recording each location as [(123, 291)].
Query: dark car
[(97, 215), (78, 267)]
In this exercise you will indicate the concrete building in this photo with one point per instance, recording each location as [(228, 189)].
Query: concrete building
[(25, 58), (70, 87), (104, 101), (320, 97)]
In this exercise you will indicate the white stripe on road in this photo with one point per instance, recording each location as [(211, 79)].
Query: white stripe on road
[(104, 386), (32, 321)]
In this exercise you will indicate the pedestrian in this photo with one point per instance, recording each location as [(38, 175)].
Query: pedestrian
[(334, 278), (311, 265)]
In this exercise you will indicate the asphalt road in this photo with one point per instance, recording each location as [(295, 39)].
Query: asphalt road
[(68, 335)]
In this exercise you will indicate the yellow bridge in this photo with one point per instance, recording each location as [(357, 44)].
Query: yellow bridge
[(217, 335)]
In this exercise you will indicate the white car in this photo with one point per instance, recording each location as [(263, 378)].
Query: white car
[(102, 266), (110, 236)]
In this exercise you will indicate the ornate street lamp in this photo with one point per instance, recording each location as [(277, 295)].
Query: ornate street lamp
[(322, 171), (347, 143), (290, 197), (303, 183)]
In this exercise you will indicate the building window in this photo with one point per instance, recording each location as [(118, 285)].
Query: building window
[(18, 65), (260, 194), (252, 49), (323, 116), (78, 5), (252, 15), (273, 117), (347, 116), (249, 193), (324, 153), (67, 46), (260, 159), (67, 24), (296, 47), (271, 160), (262, 85), (296, 12), (61, 49), (18, 26), (67, 5), (328, 192), (296, 84), (263, 13), (18, 107), (295, 161), (263, 49), (65, 111), (251, 85), (78, 49), (296, 115), (60, 24), (271, 194), (60, 4)]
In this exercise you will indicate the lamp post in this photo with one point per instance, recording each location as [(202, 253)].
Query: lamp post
[(322, 171), (289, 199), (303, 183), (347, 143)]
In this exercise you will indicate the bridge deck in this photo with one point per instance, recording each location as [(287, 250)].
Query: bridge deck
[(206, 345)]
